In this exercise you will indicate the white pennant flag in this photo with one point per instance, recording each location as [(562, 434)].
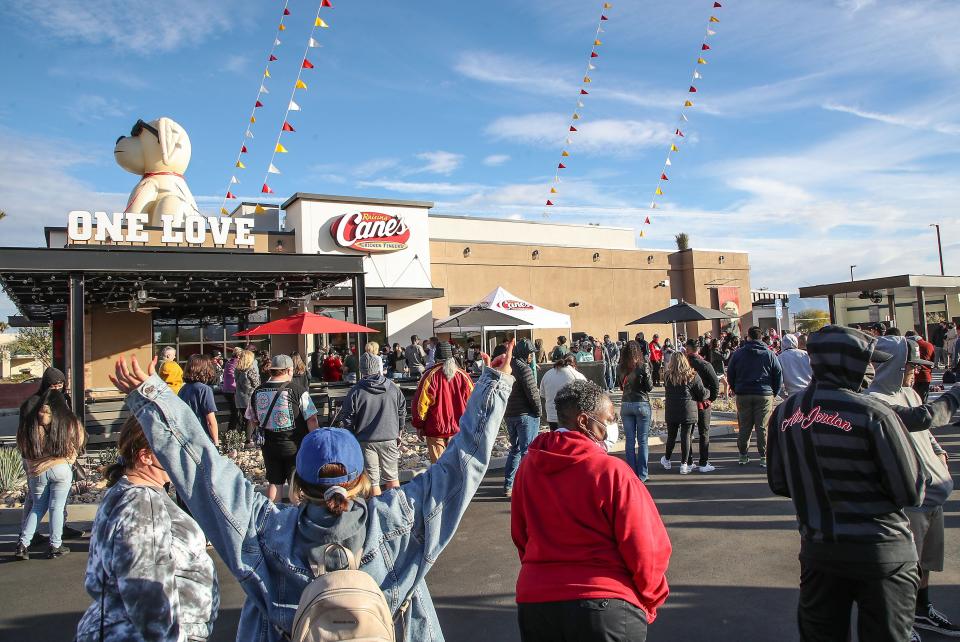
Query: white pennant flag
[(600, 30), (314, 43), (569, 141), (248, 134), (272, 169), (591, 66), (264, 90), (696, 74), (293, 106), (233, 179), (668, 163), (711, 32), (579, 103), (276, 42)]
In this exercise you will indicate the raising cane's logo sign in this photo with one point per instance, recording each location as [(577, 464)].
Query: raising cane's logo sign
[(513, 304), (370, 232)]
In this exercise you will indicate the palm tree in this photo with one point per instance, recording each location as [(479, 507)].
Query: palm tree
[(683, 241)]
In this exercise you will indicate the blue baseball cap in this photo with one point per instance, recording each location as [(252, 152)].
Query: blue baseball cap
[(329, 446)]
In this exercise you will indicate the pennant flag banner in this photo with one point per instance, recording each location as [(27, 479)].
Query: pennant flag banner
[(565, 153), (257, 103), (687, 103), (292, 105)]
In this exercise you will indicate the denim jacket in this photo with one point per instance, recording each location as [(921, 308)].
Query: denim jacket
[(267, 547)]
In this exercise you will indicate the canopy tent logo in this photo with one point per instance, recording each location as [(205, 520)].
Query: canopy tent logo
[(513, 304), (370, 232)]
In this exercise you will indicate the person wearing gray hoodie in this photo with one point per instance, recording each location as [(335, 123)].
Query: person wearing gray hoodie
[(893, 384), (795, 364)]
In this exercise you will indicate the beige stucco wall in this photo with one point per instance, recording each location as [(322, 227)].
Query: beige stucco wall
[(486, 230), (111, 335), (694, 273)]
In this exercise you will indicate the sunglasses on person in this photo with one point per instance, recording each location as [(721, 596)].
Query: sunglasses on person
[(140, 126)]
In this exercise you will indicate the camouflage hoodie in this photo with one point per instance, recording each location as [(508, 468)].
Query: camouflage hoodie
[(150, 558)]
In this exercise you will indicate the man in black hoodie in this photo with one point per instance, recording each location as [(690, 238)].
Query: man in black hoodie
[(848, 465), (523, 410), (375, 411)]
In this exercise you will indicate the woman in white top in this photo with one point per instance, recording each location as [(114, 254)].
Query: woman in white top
[(564, 371)]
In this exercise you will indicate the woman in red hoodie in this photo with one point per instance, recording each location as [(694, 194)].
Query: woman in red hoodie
[(593, 550)]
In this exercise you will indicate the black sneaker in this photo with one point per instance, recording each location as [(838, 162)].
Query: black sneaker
[(22, 552), (54, 553), (934, 620), (72, 533), (39, 541)]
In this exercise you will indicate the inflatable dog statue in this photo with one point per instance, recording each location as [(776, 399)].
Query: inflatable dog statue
[(159, 151)]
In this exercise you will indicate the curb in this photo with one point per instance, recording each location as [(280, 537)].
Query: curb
[(86, 512)]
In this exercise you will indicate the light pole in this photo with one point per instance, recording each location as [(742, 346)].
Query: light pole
[(851, 271), (939, 247)]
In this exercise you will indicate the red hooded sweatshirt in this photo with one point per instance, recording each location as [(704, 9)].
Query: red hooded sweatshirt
[(586, 527)]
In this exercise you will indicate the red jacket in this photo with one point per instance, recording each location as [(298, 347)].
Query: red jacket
[(586, 527), (438, 403), (656, 353), (926, 353)]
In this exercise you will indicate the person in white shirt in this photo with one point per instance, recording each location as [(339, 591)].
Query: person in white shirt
[(564, 371), (795, 363)]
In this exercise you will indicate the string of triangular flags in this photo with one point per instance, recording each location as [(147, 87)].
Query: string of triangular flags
[(678, 135), (238, 163), (582, 93), (298, 85)]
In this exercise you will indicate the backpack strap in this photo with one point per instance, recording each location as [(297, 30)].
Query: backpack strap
[(273, 404), (332, 557)]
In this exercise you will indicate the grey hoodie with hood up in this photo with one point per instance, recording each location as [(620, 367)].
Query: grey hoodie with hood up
[(795, 364), (888, 387)]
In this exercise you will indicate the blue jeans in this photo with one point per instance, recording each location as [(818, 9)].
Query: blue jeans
[(522, 430), (610, 375), (636, 426), (49, 491)]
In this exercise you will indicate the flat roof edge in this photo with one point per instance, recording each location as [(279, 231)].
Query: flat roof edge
[(357, 200)]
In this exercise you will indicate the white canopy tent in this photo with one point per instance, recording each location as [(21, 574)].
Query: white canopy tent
[(503, 301)]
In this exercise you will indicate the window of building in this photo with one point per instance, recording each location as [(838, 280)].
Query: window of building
[(376, 319), (202, 335)]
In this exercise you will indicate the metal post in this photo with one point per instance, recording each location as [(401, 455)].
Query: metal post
[(922, 313), (831, 301), (892, 309), (939, 247), (851, 271), (360, 309), (76, 357)]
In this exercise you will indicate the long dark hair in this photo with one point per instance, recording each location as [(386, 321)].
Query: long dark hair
[(631, 358), (131, 442), (60, 439)]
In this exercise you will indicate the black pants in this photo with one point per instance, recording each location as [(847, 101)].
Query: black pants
[(703, 427), (922, 388), (601, 620), (234, 413), (885, 595), (656, 372), (684, 431)]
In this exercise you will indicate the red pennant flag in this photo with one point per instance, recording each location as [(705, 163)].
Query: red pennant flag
[(561, 166), (603, 17), (243, 150), (594, 54), (679, 133), (230, 195), (549, 202), (287, 127), (647, 222), (307, 64), (272, 58), (286, 11), (717, 5), (693, 89), (572, 128), (326, 3), (259, 104), (583, 92), (705, 47), (266, 189), (663, 177)]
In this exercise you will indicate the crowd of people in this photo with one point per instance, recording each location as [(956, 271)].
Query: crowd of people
[(850, 441)]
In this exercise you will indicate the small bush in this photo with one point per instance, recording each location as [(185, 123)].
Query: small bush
[(11, 470), (231, 440)]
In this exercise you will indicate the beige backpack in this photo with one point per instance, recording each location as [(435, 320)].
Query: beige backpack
[(342, 603)]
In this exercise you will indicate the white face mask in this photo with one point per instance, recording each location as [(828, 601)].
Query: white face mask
[(613, 435)]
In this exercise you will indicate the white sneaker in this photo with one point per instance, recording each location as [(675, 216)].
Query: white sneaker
[(684, 469), (665, 463), (709, 468)]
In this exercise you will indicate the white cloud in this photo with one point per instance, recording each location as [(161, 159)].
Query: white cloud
[(100, 74), (140, 26), (439, 162), (495, 160), (513, 71), (901, 121), (236, 64), (420, 188), (597, 136), (88, 108), (374, 166)]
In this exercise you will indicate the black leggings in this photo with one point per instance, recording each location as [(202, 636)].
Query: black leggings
[(597, 620), (685, 430), (703, 427)]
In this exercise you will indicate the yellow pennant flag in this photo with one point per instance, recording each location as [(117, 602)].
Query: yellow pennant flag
[(565, 153), (607, 5), (641, 233), (266, 72), (701, 61), (659, 192), (259, 209), (301, 85), (282, 27), (714, 19), (224, 211), (576, 116), (320, 23), (597, 43), (674, 148), (688, 104), (553, 190), (241, 165), (253, 119), (280, 149), (586, 79)]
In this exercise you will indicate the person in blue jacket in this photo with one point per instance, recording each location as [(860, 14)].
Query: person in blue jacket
[(268, 547), (754, 376)]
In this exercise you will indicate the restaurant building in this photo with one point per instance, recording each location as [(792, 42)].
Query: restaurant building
[(111, 285)]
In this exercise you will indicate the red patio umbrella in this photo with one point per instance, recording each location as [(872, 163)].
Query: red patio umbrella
[(305, 323)]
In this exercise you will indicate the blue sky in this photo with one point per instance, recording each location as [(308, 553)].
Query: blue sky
[(825, 132)]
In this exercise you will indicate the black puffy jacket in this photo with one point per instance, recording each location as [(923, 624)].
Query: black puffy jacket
[(680, 403)]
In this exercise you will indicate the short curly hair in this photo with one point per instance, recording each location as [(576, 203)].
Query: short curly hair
[(576, 397)]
